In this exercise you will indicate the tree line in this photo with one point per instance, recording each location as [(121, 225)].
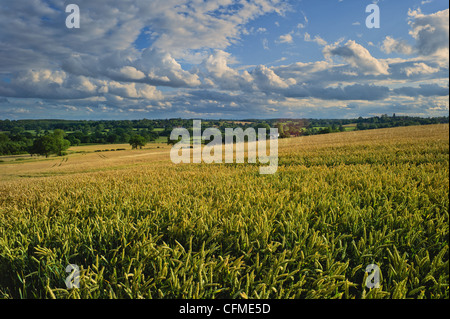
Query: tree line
[(47, 137), (289, 127), (57, 141)]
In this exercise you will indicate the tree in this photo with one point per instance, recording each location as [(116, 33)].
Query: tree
[(38, 131), (261, 125), (137, 141), (112, 138), (4, 138), (50, 144), (43, 146), (73, 140), (360, 126), (173, 142), (60, 144)]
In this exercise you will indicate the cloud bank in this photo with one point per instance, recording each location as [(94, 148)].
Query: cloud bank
[(172, 57)]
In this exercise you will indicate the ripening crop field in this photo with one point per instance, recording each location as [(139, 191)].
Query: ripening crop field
[(139, 226)]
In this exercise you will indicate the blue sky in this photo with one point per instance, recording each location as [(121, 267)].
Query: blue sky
[(231, 59)]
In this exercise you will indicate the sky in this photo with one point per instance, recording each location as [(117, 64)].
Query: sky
[(223, 59)]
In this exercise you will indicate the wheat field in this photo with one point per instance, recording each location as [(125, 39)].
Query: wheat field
[(139, 226)]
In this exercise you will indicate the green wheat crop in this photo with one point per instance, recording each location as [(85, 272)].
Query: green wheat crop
[(157, 230)]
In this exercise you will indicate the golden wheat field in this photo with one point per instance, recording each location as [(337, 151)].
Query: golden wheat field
[(139, 226)]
